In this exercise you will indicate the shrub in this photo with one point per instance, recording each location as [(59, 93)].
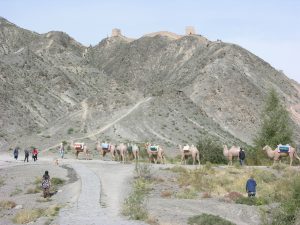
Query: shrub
[(233, 196), (187, 193), (208, 219), (70, 131), (134, 204), (211, 151), (27, 216), (57, 181), (33, 190), (166, 194), (7, 204), (288, 212)]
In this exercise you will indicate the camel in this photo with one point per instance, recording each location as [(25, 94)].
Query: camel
[(135, 150), (102, 151), (277, 155), (80, 147), (231, 153), (187, 151), (155, 152), (122, 152)]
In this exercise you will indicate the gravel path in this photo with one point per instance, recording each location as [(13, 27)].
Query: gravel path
[(87, 210)]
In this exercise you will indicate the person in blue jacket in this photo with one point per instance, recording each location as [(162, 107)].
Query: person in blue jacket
[(251, 186)]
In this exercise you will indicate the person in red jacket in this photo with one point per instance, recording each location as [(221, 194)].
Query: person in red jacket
[(35, 153)]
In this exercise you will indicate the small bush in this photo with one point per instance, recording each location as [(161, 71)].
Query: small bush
[(233, 196), (166, 194), (187, 193), (27, 216), (208, 219), (57, 181), (134, 204), (70, 131), (206, 195), (52, 210), (34, 190), (7, 204), (178, 169)]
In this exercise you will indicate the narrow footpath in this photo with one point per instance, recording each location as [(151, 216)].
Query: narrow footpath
[(87, 210)]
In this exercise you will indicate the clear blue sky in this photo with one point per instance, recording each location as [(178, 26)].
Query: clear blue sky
[(268, 28)]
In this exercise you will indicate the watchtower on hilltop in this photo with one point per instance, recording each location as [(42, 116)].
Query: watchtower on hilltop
[(189, 30), (116, 32)]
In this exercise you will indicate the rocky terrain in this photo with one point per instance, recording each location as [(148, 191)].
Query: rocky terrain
[(162, 88)]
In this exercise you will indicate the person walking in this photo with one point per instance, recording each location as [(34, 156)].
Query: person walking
[(251, 187), (34, 154), (62, 150), (26, 151), (16, 153), (242, 156), (46, 184)]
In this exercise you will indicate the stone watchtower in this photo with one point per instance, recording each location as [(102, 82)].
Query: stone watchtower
[(189, 30), (116, 32)]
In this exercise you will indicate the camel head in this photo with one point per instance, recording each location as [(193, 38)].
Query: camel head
[(267, 147)]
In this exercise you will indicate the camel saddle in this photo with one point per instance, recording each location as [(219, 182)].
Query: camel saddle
[(105, 147), (153, 148), (283, 148), (186, 148), (78, 146)]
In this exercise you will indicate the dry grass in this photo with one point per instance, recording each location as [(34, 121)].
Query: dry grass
[(7, 204), (221, 181), (166, 194), (31, 215), (27, 216), (2, 181)]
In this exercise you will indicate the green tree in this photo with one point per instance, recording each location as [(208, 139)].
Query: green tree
[(276, 125)]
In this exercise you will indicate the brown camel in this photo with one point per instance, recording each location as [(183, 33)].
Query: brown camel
[(187, 151), (277, 155), (231, 153), (80, 147), (122, 152), (103, 150), (155, 153)]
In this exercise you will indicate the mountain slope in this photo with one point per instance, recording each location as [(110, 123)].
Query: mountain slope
[(181, 89)]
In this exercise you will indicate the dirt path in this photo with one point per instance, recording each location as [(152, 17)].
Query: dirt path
[(101, 195), (110, 124)]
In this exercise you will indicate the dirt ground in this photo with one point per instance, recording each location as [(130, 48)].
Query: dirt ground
[(94, 191)]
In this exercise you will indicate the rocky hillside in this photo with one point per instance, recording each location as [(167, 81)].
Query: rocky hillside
[(163, 89)]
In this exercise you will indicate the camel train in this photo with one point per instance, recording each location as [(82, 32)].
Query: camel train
[(187, 151), (281, 151)]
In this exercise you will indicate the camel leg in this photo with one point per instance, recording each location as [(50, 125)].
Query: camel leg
[(198, 158), (182, 157)]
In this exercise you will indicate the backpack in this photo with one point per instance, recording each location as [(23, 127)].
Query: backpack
[(45, 183)]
